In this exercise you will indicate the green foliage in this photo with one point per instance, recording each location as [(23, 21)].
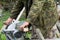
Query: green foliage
[(6, 14), (2, 37), (28, 35)]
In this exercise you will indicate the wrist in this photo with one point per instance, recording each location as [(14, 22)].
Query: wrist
[(26, 23)]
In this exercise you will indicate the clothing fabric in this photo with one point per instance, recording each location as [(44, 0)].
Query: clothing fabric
[(42, 14)]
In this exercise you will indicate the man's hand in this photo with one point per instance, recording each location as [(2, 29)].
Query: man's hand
[(8, 21), (25, 25)]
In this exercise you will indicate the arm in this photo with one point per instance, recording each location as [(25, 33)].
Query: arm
[(35, 10), (16, 9), (34, 13), (31, 17), (15, 12)]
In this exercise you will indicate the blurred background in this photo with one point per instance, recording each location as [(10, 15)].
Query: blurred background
[(5, 9)]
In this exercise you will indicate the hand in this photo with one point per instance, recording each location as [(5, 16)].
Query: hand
[(22, 27), (8, 21)]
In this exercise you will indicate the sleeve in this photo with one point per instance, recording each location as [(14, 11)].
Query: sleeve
[(35, 11), (32, 14), (16, 9)]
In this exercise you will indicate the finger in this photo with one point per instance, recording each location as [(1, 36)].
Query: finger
[(26, 29)]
